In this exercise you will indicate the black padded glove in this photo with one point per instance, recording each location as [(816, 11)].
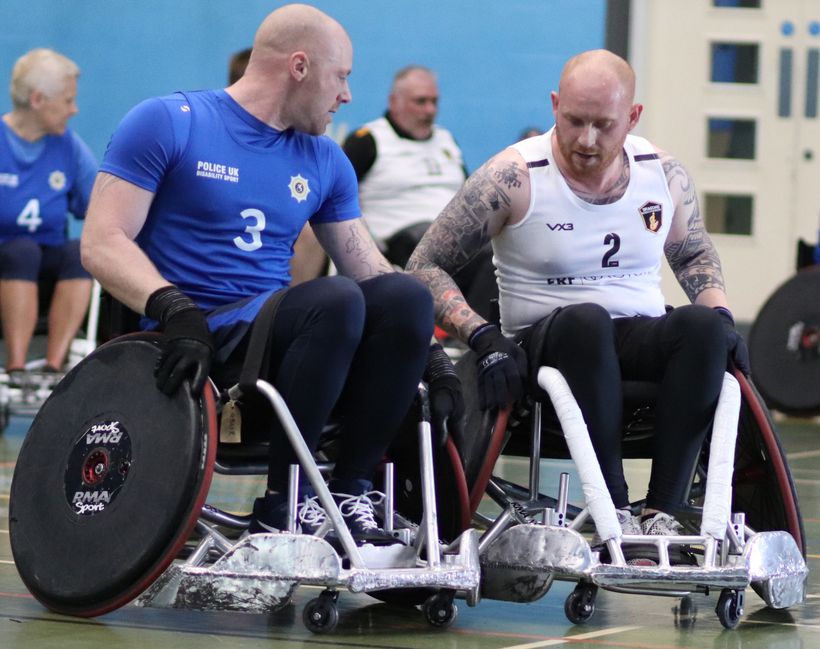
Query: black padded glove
[(188, 346), (446, 400), (738, 351), (502, 367)]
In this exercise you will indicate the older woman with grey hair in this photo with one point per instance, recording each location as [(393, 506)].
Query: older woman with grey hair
[(46, 172)]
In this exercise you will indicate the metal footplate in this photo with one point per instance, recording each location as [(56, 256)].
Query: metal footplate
[(260, 572), (521, 563)]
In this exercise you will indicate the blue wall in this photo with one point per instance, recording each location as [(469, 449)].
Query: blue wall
[(497, 61)]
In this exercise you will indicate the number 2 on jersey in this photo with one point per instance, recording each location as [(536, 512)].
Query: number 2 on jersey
[(29, 218), (613, 240)]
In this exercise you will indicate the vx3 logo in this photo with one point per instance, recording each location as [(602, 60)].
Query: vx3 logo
[(560, 226)]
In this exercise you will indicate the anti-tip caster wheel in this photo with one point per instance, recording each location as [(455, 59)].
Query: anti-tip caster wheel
[(580, 603), (729, 608), (440, 610), (320, 614)]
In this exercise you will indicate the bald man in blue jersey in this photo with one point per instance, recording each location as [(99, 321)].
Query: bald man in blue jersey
[(192, 222)]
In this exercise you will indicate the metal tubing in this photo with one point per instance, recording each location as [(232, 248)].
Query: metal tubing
[(293, 497), (429, 494), (563, 495), (535, 451), (305, 458), (388, 497), (501, 523)]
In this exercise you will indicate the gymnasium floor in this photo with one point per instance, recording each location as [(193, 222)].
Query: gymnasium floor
[(620, 620)]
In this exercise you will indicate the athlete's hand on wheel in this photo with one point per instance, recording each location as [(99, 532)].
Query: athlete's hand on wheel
[(502, 367), (446, 400), (738, 351), (187, 347)]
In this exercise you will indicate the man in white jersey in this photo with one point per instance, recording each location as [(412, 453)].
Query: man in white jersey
[(409, 167), (579, 220), (199, 200)]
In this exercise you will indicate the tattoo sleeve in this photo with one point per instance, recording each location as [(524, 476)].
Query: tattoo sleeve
[(689, 249), (474, 215)]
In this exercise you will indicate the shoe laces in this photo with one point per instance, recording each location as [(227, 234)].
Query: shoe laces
[(360, 508), (311, 513), (661, 524)]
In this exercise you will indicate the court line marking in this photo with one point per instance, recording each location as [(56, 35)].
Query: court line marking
[(799, 455), (574, 638)]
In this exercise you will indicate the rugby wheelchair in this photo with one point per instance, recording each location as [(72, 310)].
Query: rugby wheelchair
[(108, 505), (536, 538)]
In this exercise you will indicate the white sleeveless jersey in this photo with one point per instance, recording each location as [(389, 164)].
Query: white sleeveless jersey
[(567, 251), (410, 181)]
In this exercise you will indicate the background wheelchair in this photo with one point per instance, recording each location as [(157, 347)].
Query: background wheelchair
[(534, 539), (110, 490)]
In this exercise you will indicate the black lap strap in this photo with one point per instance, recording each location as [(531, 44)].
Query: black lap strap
[(257, 359)]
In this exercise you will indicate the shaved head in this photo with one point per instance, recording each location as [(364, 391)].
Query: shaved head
[(599, 68), (297, 75), (294, 27)]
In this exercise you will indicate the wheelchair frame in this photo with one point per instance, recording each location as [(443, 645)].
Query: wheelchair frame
[(260, 572), (520, 558)]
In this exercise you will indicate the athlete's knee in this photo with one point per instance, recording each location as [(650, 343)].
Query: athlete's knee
[(337, 308), (400, 303), (698, 329), (584, 321), (20, 258)]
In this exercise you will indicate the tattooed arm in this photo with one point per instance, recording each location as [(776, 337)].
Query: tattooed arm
[(498, 193), (688, 247), (352, 249), (115, 216)]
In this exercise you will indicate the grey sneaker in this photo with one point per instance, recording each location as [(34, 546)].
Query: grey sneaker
[(270, 514), (660, 524), (629, 525)]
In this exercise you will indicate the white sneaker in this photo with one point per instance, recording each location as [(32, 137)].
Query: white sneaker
[(629, 525), (660, 524)]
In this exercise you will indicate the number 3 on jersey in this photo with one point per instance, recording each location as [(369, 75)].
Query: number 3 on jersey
[(29, 218), (253, 229)]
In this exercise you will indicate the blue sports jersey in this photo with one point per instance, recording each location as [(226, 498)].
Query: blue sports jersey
[(231, 194), (41, 183)]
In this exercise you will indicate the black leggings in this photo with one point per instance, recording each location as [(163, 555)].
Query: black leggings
[(358, 348), (684, 350)]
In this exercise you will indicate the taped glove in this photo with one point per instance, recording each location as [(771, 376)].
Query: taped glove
[(502, 367), (187, 347), (446, 399), (738, 351)]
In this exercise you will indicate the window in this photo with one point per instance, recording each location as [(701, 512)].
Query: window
[(734, 62), (728, 213), (742, 4), (731, 138)]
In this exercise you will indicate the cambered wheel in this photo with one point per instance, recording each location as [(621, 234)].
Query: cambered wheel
[(729, 608), (440, 609), (580, 603), (320, 614)]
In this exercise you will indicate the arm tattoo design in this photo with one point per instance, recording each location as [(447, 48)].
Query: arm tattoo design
[(457, 235), (693, 258), (361, 250)]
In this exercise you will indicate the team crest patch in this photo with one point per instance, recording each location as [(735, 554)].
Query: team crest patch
[(299, 188), (56, 180), (652, 215)]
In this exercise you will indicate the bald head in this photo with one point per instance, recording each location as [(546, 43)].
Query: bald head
[(295, 27), (413, 101), (599, 69)]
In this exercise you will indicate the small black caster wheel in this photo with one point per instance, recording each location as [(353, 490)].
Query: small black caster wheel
[(729, 608), (580, 603), (440, 610), (320, 614)]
